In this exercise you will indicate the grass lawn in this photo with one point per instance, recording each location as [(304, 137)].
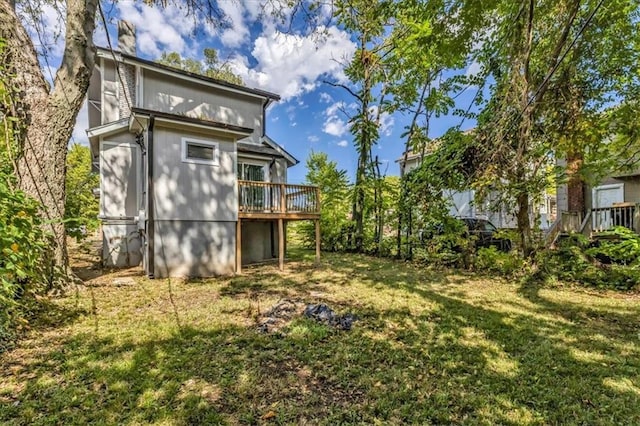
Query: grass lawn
[(428, 347)]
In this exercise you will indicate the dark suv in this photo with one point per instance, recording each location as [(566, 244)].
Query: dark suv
[(485, 231)]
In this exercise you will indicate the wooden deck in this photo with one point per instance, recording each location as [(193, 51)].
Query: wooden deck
[(266, 200), (279, 202)]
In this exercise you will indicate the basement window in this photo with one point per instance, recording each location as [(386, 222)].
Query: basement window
[(200, 151)]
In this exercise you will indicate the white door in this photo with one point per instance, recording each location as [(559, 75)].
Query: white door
[(603, 198)]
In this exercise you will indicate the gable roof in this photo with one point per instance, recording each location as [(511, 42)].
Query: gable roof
[(145, 63), (273, 144)]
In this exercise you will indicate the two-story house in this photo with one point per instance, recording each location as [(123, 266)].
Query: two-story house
[(190, 184)]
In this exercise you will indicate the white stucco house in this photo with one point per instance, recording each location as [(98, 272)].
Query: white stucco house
[(190, 183)]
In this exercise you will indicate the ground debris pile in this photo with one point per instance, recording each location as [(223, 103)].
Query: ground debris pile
[(283, 312), (280, 315), (323, 313)]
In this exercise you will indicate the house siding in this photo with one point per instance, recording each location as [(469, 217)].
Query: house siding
[(631, 189), (185, 248), (193, 192), (120, 200), (195, 207), (162, 93)]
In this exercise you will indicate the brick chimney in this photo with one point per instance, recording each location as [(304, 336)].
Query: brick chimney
[(127, 45)]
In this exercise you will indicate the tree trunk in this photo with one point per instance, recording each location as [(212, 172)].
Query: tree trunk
[(49, 114)]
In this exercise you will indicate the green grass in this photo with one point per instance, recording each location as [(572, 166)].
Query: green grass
[(428, 347)]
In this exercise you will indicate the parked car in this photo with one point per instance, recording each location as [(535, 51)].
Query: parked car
[(485, 231), (482, 229)]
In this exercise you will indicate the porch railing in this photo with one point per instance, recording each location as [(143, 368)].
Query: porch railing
[(267, 197), (603, 219)]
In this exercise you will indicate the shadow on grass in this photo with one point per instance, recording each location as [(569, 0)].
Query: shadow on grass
[(455, 360)]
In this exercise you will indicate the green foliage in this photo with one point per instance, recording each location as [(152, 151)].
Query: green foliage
[(573, 261), (443, 242), (24, 245), (492, 260), (334, 192), (619, 245), (210, 66), (81, 205)]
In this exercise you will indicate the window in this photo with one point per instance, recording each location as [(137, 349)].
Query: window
[(252, 172), (199, 151)]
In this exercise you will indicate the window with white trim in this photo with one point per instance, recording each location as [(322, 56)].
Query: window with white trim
[(200, 151)]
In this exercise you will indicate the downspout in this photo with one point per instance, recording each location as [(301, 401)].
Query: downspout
[(150, 199), (264, 116)]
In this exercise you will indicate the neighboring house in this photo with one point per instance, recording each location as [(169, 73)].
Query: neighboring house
[(190, 184), (467, 204), (615, 201)]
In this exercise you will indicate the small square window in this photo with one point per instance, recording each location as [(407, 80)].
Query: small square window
[(199, 151)]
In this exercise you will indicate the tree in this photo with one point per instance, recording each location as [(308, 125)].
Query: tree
[(210, 66), (334, 189), (554, 71), (81, 205)]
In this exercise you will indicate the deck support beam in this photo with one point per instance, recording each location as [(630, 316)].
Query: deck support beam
[(281, 243), (317, 223), (239, 246)]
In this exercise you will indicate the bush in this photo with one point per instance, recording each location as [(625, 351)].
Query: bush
[(23, 246), (490, 259), (619, 245), (574, 261)]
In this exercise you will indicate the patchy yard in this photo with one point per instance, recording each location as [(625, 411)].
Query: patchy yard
[(427, 348)]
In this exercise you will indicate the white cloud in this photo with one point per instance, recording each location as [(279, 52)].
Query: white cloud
[(386, 120), (158, 29), (313, 138), (325, 98), (335, 125), (291, 65), (343, 143), (238, 32)]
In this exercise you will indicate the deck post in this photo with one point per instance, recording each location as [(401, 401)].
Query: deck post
[(317, 223), (281, 243), (283, 198), (239, 246)]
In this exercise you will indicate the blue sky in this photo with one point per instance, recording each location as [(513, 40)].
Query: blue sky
[(290, 63)]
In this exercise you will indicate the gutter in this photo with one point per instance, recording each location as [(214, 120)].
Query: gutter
[(150, 200)]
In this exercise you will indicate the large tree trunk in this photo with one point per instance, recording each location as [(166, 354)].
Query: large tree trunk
[(49, 114)]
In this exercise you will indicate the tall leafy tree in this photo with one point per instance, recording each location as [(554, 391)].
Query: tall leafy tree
[(529, 41), (335, 189), (367, 72)]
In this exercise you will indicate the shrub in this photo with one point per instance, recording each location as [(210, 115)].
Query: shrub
[(574, 261), (490, 259), (23, 246), (619, 245)]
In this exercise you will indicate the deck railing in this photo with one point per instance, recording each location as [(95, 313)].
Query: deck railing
[(267, 197), (603, 219)]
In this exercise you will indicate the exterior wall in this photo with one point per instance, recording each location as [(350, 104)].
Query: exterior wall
[(193, 192), (121, 244), (278, 171), (166, 94), (631, 189), (120, 200), (256, 241), (185, 248), (196, 207), (110, 103)]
